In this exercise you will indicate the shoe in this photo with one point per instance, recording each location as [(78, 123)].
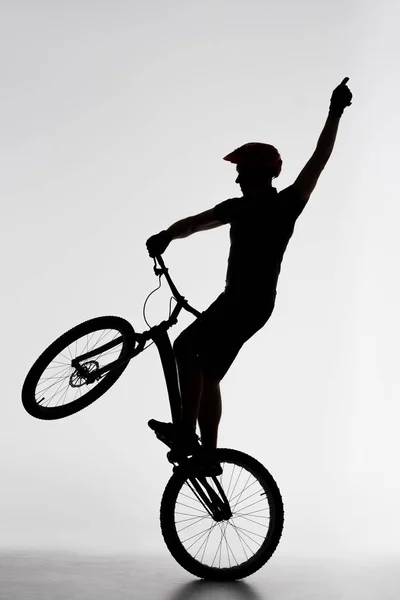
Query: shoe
[(181, 437), (205, 464)]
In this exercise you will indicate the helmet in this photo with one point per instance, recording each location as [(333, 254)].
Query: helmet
[(256, 154)]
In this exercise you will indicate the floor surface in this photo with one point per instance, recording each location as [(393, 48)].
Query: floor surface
[(68, 576)]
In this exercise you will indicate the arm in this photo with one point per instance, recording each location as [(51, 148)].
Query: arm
[(200, 222), (307, 180), (208, 219)]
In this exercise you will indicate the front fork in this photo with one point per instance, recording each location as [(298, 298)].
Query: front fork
[(216, 505)]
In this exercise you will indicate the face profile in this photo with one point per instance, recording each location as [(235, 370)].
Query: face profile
[(254, 178)]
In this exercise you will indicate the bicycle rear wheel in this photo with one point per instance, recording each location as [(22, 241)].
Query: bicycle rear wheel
[(233, 545), (54, 389)]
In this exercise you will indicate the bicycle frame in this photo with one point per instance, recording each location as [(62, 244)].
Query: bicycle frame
[(159, 334)]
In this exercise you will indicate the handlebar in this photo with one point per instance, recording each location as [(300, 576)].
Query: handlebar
[(163, 270)]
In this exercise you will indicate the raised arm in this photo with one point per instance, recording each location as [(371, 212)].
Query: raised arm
[(307, 180)]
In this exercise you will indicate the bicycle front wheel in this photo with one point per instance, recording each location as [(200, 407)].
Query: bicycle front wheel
[(54, 388), (232, 546)]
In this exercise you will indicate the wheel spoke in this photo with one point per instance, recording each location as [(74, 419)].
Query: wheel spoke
[(195, 520), (65, 365), (39, 393), (241, 541), (252, 504), (62, 381), (246, 532), (246, 488), (228, 492), (192, 507), (228, 546), (218, 550), (205, 541), (239, 515), (197, 535), (239, 495), (63, 395)]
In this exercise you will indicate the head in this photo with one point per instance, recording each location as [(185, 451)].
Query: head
[(257, 165)]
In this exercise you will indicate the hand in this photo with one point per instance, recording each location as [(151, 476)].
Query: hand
[(341, 97), (157, 244)]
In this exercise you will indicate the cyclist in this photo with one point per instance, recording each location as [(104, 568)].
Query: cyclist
[(261, 223)]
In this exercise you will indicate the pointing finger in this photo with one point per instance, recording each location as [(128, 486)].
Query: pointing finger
[(345, 80)]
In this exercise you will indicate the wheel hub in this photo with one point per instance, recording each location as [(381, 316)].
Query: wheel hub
[(80, 376)]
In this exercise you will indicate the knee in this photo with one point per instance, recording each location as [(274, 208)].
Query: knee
[(178, 346), (211, 381), (183, 349)]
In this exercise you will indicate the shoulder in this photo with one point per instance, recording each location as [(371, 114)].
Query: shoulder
[(289, 192), (292, 199), (225, 211)]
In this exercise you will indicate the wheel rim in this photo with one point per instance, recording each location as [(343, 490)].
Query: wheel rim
[(60, 384), (228, 544)]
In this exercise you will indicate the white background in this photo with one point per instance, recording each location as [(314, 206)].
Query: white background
[(115, 117)]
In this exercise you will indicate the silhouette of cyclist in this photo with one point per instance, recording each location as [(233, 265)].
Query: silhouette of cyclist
[(261, 224)]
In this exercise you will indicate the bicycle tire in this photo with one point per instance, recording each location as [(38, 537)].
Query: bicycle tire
[(267, 548), (72, 336)]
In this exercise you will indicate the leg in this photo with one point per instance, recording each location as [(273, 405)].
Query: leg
[(193, 340), (210, 412)]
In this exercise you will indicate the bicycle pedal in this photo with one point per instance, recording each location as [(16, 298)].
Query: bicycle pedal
[(174, 456)]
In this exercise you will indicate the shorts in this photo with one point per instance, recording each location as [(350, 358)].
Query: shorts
[(218, 334)]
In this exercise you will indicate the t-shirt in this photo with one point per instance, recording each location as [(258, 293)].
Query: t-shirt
[(261, 227)]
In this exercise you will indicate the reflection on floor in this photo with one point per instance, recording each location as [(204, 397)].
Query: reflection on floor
[(68, 576)]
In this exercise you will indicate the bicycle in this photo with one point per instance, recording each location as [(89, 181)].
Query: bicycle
[(243, 504)]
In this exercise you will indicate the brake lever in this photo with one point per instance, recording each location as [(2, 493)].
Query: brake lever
[(158, 270)]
